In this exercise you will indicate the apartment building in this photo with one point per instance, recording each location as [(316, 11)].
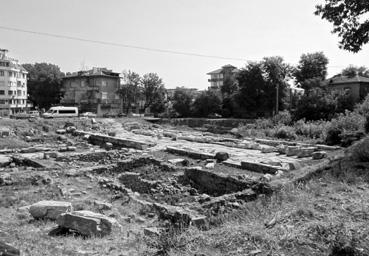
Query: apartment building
[(93, 90), (13, 85), (217, 77)]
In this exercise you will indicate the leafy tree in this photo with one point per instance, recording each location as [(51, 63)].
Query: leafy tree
[(352, 71), (276, 72), (44, 84), (258, 83), (207, 103), (182, 100), (229, 86), (321, 104), (311, 70), (131, 89), (349, 21), (154, 92)]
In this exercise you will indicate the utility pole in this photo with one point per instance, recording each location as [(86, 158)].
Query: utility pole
[(277, 101)]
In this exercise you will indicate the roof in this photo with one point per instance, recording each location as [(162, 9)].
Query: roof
[(94, 72), (340, 79), (220, 70)]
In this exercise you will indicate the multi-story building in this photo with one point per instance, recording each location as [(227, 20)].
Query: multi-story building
[(13, 85), (95, 90), (357, 86), (219, 76)]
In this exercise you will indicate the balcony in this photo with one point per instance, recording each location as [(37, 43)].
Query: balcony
[(215, 80)]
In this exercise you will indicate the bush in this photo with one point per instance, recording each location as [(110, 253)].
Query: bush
[(333, 136), (360, 151), (285, 132), (283, 117), (311, 129)]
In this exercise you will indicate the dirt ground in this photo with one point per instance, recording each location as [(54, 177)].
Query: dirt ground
[(196, 205)]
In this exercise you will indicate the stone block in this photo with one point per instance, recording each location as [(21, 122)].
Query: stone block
[(49, 209), (221, 156), (319, 155), (88, 223), (60, 131), (306, 152), (292, 150)]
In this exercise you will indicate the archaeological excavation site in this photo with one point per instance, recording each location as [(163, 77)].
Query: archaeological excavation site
[(132, 187)]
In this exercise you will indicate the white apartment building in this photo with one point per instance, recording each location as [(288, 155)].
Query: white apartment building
[(13, 85)]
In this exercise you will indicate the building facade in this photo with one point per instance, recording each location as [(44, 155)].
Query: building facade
[(357, 86), (13, 85), (219, 76), (95, 90)]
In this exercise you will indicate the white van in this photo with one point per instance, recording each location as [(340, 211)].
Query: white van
[(61, 112)]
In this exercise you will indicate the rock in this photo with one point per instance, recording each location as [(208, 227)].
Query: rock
[(108, 145), (279, 173), (306, 152), (103, 205), (49, 209), (70, 129), (28, 138), (176, 161), (210, 165), (86, 137), (71, 148), (112, 134), (282, 149), (50, 155), (87, 223), (152, 232), (267, 177), (8, 250), (221, 156), (93, 121), (60, 131), (62, 138), (319, 155), (266, 149), (4, 161), (292, 150)]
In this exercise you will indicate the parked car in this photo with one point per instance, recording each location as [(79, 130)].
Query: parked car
[(88, 114), (25, 115)]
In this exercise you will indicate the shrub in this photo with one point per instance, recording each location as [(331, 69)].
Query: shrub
[(311, 129), (360, 151), (333, 136), (283, 117), (363, 108), (285, 132)]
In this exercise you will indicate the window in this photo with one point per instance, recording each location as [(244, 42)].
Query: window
[(24, 93), (2, 92), (67, 111), (19, 93), (104, 95), (103, 83), (2, 102), (10, 73), (1, 73), (10, 92)]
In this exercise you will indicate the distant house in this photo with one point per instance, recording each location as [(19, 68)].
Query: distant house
[(219, 76), (357, 85), (94, 90)]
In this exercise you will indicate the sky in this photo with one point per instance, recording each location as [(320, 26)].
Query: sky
[(238, 29)]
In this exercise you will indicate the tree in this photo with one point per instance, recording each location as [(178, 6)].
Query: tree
[(154, 92), (352, 71), (311, 70), (130, 90), (349, 21), (44, 84), (182, 100), (258, 83), (322, 104), (229, 87), (276, 72), (207, 103)]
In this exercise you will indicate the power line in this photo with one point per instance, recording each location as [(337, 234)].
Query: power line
[(119, 44)]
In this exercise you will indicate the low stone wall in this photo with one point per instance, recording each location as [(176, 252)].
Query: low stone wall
[(134, 182), (189, 153), (214, 184), (101, 139)]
